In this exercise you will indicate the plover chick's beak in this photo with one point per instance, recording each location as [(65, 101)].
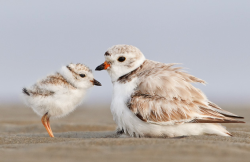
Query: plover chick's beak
[(103, 66), (95, 82)]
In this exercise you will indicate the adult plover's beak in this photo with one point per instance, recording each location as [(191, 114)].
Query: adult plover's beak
[(95, 82), (103, 66), (45, 121)]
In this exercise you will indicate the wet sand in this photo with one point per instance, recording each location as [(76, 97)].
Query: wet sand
[(88, 134)]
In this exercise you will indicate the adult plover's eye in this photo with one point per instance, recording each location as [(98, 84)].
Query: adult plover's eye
[(82, 75), (121, 59)]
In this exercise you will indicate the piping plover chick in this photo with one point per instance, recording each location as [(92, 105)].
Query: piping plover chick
[(59, 94), (153, 99)]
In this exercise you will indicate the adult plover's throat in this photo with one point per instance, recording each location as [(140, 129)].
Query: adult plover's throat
[(129, 76)]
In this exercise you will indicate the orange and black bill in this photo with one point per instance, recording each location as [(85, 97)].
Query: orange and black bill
[(103, 66), (95, 82)]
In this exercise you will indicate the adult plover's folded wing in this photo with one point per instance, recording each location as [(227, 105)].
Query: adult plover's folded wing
[(165, 96), (159, 110)]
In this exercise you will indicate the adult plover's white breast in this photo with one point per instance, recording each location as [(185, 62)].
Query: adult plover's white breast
[(121, 96)]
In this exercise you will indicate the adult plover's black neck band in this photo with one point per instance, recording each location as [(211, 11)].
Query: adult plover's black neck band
[(129, 76)]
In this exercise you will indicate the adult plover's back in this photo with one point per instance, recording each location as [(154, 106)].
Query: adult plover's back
[(57, 95), (152, 99)]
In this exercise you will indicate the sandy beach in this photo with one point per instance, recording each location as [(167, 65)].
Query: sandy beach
[(88, 134)]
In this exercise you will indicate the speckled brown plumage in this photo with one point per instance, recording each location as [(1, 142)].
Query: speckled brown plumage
[(57, 79), (149, 108), (37, 91), (164, 94), (123, 49)]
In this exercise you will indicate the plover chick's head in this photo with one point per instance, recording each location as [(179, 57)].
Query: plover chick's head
[(79, 75), (120, 60)]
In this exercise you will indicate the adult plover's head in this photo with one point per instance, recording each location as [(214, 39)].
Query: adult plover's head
[(120, 60), (79, 75)]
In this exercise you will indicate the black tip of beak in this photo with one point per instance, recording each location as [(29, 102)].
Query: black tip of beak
[(95, 82), (100, 67)]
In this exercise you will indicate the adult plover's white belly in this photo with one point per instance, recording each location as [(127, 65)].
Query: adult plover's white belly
[(122, 115)]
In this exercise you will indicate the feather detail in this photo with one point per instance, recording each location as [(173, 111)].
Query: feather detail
[(159, 110), (37, 91), (58, 80), (164, 95), (25, 91)]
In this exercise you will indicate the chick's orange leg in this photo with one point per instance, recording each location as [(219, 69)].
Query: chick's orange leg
[(45, 121)]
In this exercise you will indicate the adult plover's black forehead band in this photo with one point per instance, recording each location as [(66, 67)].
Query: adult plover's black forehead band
[(107, 54)]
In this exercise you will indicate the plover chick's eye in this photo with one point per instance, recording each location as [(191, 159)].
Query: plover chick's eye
[(82, 75), (121, 59)]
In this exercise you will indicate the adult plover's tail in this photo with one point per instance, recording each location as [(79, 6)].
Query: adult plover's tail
[(25, 91)]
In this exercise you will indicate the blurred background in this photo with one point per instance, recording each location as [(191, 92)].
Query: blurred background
[(210, 38)]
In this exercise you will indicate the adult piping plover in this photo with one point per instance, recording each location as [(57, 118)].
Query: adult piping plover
[(57, 95), (153, 99)]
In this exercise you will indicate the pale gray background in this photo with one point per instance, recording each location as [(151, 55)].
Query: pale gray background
[(211, 38)]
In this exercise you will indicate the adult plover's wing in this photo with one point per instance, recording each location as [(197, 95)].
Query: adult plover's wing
[(165, 96)]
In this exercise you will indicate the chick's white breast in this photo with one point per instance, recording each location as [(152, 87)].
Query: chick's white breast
[(59, 103)]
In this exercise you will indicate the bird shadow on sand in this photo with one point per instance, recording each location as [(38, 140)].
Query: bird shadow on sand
[(99, 134), (104, 134)]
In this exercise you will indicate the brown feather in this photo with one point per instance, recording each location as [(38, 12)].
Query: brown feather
[(164, 94), (57, 79), (214, 120)]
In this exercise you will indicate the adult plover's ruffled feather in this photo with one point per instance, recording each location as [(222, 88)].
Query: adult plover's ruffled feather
[(152, 99), (164, 96)]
